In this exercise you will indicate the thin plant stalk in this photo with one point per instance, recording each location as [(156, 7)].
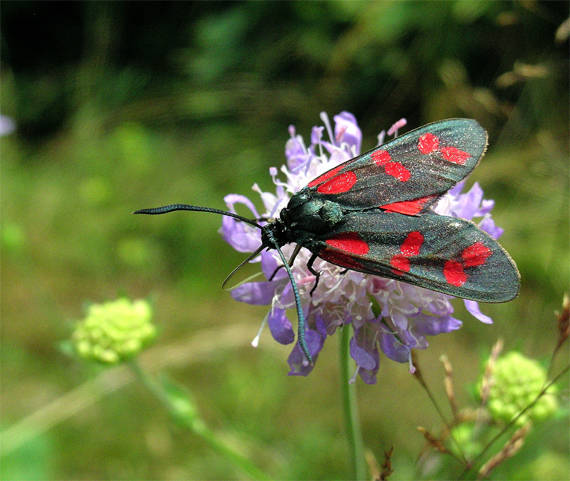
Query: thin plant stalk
[(350, 408), (198, 427)]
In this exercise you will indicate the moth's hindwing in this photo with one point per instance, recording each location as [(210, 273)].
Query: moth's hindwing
[(437, 252), (408, 173)]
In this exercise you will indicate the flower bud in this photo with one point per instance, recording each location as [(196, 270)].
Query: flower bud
[(114, 331), (516, 382)]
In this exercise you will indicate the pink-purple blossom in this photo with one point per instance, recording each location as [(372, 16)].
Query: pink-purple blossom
[(7, 125), (384, 314)]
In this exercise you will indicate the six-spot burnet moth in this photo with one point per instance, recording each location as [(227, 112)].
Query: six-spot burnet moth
[(372, 214)]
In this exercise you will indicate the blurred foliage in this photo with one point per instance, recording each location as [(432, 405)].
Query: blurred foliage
[(122, 105)]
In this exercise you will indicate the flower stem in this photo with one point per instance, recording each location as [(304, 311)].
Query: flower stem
[(197, 426), (350, 408)]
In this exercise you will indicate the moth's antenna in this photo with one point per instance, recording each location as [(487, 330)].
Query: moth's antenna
[(301, 325), (300, 315), (195, 208), (242, 263)]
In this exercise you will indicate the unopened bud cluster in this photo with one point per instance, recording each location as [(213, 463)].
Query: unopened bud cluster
[(516, 382), (114, 331)]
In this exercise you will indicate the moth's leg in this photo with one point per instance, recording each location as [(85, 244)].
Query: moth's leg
[(275, 272), (314, 272), (291, 260), (242, 263)]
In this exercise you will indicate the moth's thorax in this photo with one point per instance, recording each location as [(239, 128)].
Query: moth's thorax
[(305, 214)]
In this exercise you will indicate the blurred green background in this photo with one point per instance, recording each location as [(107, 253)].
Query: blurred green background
[(125, 105)]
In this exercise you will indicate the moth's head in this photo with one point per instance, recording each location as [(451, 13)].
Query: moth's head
[(307, 214), (300, 198)]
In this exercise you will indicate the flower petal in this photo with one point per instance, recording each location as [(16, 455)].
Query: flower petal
[(256, 293), (242, 239), (321, 326), (269, 200), (268, 265), (473, 309), (488, 225), (456, 189), (346, 130), (295, 153), (361, 356), (241, 236), (298, 362), (432, 325), (369, 375), (280, 326), (466, 205), (485, 207), (316, 135), (399, 319), (393, 348), (7, 125), (393, 130), (232, 199)]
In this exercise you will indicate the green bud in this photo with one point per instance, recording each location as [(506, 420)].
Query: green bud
[(12, 237), (515, 382), (464, 435), (114, 331)]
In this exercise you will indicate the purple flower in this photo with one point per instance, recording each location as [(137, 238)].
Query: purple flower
[(346, 131), (364, 350), (408, 314), (242, 237), (7, 125)]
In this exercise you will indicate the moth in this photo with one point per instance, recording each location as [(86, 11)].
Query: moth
[(373, 214)]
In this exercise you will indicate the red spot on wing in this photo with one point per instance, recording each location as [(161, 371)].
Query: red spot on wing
[(340, 259), (428, 143), (339, 184), (397, 170), (453, 272), (327, 175), (454, 155), (476, 254), (400, 264), (349, 242), (408, 207), (411, 246), (381, 157)]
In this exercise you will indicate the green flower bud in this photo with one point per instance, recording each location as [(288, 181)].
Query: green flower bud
[(463, 434), (515, 382), (114, 331)]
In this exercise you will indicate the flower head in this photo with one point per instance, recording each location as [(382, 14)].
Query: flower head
[(114, 331), (516, 382), (405, 315)]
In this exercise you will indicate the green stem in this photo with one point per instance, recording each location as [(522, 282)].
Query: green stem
[(350, 407), (197, 426)]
